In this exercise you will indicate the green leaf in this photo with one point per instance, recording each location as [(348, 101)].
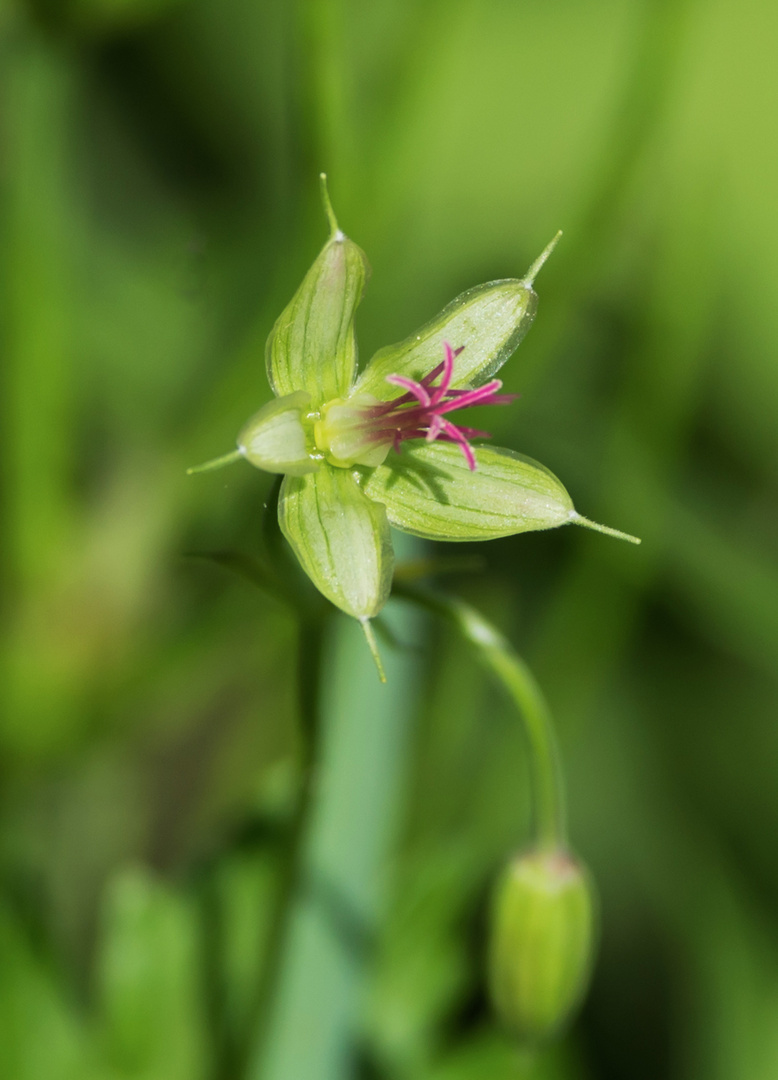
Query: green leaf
[(41, 1032), (487, 322), (340, 537), (312, 346), (429, 491)]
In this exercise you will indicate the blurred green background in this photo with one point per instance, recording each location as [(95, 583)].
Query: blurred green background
[(159, 204)]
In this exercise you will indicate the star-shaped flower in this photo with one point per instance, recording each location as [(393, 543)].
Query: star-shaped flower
[(340, 436)]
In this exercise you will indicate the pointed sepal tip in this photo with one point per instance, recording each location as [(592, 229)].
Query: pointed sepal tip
[(372, 644), (538, 264), (576, 519), (217, 463)]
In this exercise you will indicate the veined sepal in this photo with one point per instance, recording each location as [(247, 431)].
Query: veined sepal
[(312, 345), (276, 439), (485, 325), (340, 537), (429, 491)]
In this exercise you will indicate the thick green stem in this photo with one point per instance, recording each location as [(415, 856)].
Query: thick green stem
[(550, 825)]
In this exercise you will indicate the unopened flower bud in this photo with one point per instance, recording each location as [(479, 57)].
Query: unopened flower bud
[(542, 942)]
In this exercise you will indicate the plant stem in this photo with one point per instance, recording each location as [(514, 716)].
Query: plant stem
[(496, 653)]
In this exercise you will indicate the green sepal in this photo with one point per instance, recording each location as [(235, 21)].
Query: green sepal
[(274, 439), (429, 491), (341, 538), (312, 346), (486, 322)]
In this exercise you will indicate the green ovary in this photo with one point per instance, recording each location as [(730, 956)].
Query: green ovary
[(344, 436)]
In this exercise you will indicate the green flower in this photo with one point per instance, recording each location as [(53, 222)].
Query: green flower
[(337, 434)]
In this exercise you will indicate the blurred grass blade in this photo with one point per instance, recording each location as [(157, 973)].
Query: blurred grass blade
[(39, 1035), (352, 831), (38, 385), (153, 1017)]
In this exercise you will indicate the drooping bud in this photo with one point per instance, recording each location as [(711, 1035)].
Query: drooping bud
[(542, 942), (275, 439)]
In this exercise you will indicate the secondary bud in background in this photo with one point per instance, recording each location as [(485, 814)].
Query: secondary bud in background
[(542, 942)]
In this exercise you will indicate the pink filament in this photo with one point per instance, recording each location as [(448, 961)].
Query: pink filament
[(419, 413)]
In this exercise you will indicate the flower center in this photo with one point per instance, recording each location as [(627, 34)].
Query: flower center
[(346, 435), (361, 430)]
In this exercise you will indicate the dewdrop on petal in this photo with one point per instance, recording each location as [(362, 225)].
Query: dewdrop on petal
[(542, 939)]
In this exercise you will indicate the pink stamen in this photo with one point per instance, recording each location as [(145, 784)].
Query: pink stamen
[(445, 380), (435, 428), (459, 437), (421, 411), (484, 394), (415, 389)]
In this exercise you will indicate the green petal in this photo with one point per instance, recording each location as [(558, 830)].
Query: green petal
[(429, 491), (312, 346), (340, 537), (489, 321)]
